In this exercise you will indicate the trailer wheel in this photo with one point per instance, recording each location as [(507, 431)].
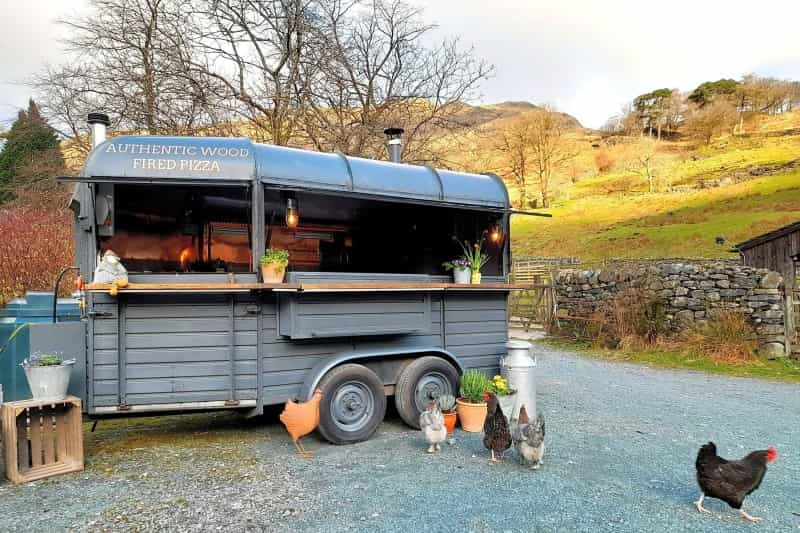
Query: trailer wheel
[(353, 404), (420, 382)]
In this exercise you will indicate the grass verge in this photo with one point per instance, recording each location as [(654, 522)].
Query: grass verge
[(781, 369)]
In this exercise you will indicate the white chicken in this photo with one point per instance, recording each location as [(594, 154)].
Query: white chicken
[(529, 439), (431, 422)]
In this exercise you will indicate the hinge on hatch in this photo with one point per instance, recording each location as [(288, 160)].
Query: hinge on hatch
[(101, 314), (252, 309)]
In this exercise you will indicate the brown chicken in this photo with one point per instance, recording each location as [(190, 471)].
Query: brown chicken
[(496, 435), (301, 419), (730, 481)]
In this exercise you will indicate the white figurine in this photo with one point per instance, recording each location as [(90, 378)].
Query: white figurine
[(110, 269)]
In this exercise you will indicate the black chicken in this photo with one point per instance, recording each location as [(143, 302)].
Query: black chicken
[(730, 481), (496, 435)]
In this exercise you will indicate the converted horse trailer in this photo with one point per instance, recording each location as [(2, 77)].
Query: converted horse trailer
[(366, 311)]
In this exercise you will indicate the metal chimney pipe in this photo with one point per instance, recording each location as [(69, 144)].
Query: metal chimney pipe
[(394, 143), (98, 122)]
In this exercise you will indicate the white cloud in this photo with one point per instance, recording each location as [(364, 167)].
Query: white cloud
[(28, 40), (584, 56), (590, 57)]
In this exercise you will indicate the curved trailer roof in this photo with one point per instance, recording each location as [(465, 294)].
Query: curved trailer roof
[(226, 160)]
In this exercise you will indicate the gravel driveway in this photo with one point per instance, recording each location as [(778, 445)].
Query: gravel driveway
[(621, 446)]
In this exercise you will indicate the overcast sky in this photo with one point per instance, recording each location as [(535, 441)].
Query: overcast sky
[(584, 56)]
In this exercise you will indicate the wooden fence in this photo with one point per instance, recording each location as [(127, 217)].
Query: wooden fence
[(536, 307)]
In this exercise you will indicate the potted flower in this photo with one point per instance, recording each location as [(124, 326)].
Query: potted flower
[(48, 375), (476, 259), (447, 404), (460, 268), (471, 405), (273, 265), (506, 397)]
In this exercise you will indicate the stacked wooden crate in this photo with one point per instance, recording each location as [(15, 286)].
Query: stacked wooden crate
[(42, 439)]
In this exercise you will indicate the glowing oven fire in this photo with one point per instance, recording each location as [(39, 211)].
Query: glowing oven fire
[(184, 257)]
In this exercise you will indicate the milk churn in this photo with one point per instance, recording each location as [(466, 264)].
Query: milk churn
[(518, 367)]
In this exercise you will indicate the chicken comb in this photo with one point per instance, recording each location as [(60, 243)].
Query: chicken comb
[(772, 454)]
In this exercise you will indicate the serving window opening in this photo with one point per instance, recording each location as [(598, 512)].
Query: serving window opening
[(179, 228), (345, 234)]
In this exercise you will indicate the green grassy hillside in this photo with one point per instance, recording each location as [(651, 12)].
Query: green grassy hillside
[(737, 188)]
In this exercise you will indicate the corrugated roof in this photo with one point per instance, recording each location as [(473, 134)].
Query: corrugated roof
[(225, 159), (766, 237)]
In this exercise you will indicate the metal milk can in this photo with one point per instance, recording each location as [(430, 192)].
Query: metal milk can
[(518, 367)]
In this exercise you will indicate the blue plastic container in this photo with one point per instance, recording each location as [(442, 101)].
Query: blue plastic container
[(15, 343)]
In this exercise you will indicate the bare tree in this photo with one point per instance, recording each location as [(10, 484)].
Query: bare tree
[(535, 146), (124, 59), (712, 119), (253, 50), (371, 68)]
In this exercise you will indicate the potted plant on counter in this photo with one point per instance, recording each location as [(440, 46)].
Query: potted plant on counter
[(447, 404), (476, 259), (273, 265), (461, 270), (471, 405), (48, 375), (506, 397)]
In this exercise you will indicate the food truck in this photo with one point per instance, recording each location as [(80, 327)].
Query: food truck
[(366, 311)]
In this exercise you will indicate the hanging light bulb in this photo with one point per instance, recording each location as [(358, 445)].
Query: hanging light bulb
[(495, 233), (292, 216)]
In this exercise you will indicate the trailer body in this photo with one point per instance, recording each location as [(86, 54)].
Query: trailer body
[(179, 339)]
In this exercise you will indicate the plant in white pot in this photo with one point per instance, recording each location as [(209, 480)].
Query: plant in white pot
[(460, 268), (48, 375)]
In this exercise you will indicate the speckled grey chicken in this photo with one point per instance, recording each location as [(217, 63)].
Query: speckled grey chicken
[(431, 422), (496, 435), (529, 439)]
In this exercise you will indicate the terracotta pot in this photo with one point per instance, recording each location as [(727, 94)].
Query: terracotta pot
[(450, 421), (471, 415), (476, 278), (272, 272)]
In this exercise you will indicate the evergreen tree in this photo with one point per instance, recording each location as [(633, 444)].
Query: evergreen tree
[(30, 154)]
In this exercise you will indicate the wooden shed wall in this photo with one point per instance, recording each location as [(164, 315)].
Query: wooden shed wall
[(776, 254)]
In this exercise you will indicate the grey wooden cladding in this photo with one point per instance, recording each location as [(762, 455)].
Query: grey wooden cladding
[(178, 348), (306, 316)]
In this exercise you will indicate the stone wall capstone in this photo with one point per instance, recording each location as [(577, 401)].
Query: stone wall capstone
[(689, 293)]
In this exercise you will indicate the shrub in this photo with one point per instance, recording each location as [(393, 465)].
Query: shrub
[(633, 319), (35, 243), (726, 336), (473, 384), (603, 160)]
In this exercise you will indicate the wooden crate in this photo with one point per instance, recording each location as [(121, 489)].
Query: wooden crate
[(42, 439)]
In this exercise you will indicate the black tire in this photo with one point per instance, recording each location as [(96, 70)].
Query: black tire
[(353, 404), (420, 381)]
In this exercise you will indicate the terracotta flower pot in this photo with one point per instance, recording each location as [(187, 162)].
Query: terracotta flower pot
[(272, 272), (476, 278), (450, 421), (471, 415)]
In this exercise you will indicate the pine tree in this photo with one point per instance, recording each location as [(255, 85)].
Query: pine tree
[(31, 153)]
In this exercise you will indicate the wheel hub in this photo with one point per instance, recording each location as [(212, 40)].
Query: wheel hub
[(430, 386), (352, 406)]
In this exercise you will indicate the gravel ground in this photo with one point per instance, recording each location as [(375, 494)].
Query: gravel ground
[(620, 457)]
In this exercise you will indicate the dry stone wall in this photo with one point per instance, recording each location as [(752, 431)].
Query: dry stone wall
[(689, 292)]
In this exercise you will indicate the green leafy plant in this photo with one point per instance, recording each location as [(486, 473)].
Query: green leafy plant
[(499, 386), (473, 384), (280, 257), (446, 402), (474, 255), (43, 359), (458, 264)]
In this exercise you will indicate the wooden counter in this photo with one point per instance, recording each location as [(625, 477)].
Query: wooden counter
[(302, 287)]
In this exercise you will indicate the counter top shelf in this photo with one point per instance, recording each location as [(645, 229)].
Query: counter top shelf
[(303, 287)]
